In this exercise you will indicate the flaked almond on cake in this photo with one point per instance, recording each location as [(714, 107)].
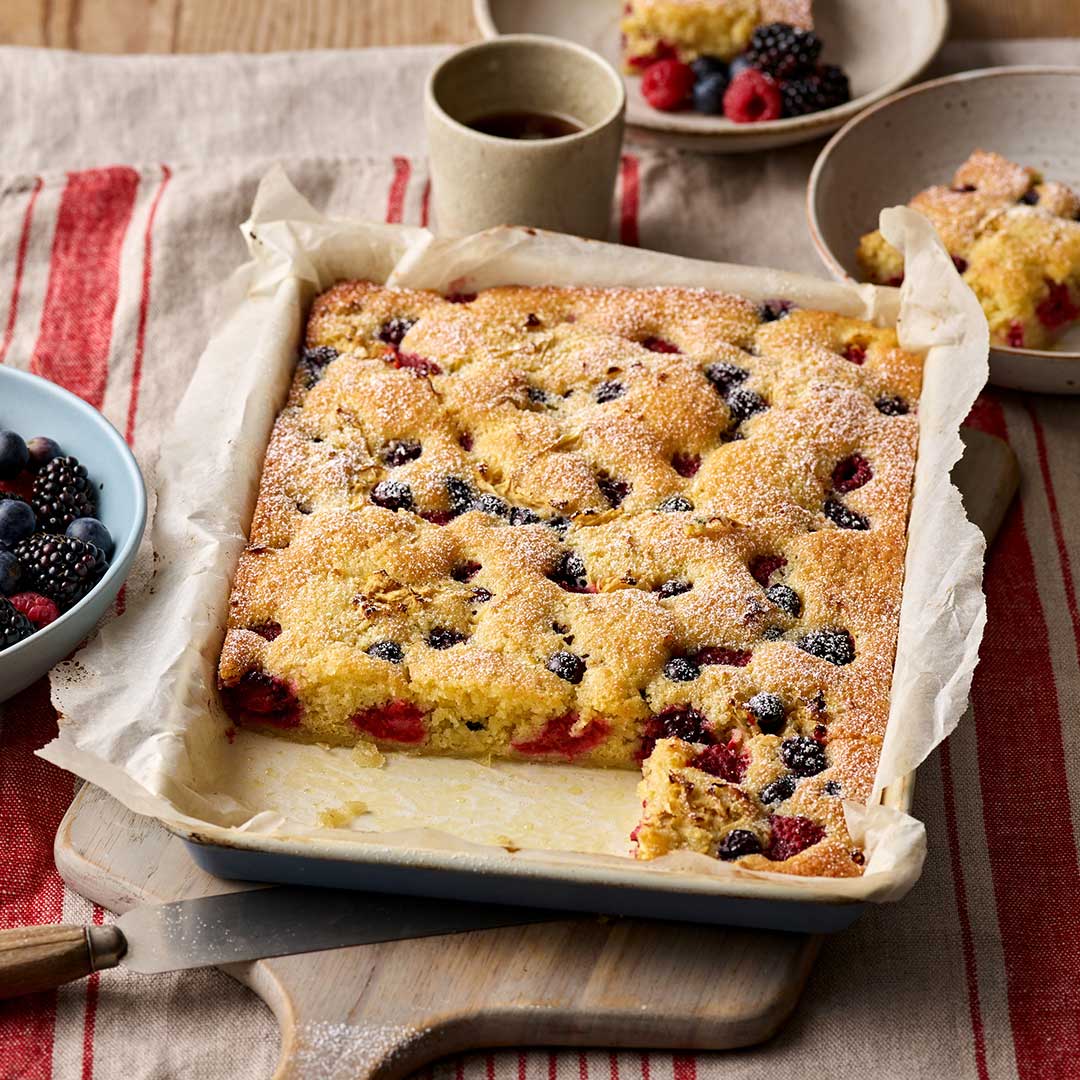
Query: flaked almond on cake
[(658, 529)]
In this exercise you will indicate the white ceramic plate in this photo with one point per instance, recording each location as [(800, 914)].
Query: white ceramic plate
[(1025, 113), (882, 44)]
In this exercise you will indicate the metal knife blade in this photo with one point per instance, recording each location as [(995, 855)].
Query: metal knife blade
[(279, 921)]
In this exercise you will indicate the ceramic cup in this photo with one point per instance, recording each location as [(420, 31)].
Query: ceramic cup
[(565, 183)]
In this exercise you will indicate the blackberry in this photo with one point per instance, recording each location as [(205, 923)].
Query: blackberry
[(675, 504), (387, 650), (675, 587), (813, 93), (768, 710), (844, 516), (803, 756), (681, 722), (737, 843), (558, 525), (681, 669), (536, 395), (569, 573), (608, 391), (393, 330), (460, 495), (392, 495), (399, 452), (892, 406), (785, 597), (778, 790), (60, 567), (314, 362), (14, 625), (94, 532), (492, 504), (443, 637), (613, 490), (567, 666), (62, 493), (744, 403), (772, 633), (521, 515), (836, 646), (725, 376), (783, 50)]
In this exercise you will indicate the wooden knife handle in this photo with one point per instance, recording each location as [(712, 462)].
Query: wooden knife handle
[(36, 958)]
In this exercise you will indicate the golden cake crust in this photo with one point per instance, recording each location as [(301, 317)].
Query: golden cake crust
[(590, 525)]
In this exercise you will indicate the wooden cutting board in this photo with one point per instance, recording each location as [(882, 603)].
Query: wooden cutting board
[(385, 1010)]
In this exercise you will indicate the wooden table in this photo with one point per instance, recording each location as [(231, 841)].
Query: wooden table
[(261, 25)]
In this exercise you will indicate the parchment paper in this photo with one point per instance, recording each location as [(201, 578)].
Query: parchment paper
[(140, 714)]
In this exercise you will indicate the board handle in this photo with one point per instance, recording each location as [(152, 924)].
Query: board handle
[(34, 958)]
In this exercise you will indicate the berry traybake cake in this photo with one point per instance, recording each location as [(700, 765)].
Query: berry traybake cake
[(1014, 237), (686, 29), (638, 528)]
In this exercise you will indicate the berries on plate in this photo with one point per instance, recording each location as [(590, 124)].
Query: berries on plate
[(822, 89), (667, 84), (783, 50), (709, 94), (752, 97)]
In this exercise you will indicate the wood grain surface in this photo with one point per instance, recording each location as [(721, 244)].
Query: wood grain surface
[(163, 26)]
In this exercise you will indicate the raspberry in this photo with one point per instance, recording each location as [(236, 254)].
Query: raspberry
[(790, 835), (778, 790), (686, 465), (557, 737), (851, 473), (1057, 309), (1015, 335), (675, 504), (658, 344), (664, 51), (786, 598), (783, 50), (40, 610), (262, 699), (854, 353), (844, 516), (567, 666), (725, 760), (397, 721), (667, 84), (719, 655), (420, 366), (736, 844), (752, 97), (764, 566), (803, 756)]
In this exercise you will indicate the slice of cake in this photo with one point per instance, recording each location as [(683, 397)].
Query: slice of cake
[(601, 526), (686, 29), (1015, 238)]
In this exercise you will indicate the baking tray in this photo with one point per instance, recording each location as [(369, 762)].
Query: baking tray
[(154, 765)]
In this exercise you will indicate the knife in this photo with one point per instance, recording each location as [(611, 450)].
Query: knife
[(237, 926)]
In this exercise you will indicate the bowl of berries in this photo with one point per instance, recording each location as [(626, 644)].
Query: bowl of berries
[(72, 512), (740, 75)]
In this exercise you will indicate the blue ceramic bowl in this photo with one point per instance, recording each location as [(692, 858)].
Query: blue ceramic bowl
[(33, 406)]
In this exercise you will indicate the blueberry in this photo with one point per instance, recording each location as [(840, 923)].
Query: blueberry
[(803, 756), (387, 650), (772, 633), (768, 710), (13, 455), (567, 666), (314, 362), (613, 490), (10, 573), (741, 63), (17, 522), (674, 587), (42, 451), (459, 493), (772, 310), (778, 790), (675, 504), (709, 94), (681, 669), (724, 376), (1030, 197), (443, 637), (392, 495), (835, 646), (892, 406), (744, 403), (832, 787), (704, 66), (783, 596), (399, 452), (844, 516), (737, 843), (609, 391), (559, 525), (480, 595), (570, 573), (91, 530)]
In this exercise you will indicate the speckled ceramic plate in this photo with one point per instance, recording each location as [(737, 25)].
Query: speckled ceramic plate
[(882, 44), (1025, 113)]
